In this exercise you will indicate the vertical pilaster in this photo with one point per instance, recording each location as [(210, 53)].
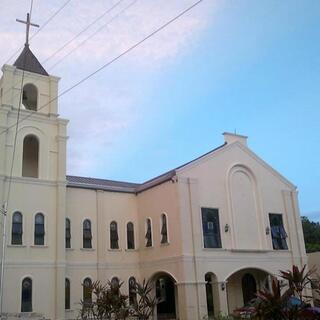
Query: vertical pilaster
[(60, 264), (100, 235), (223, 299)]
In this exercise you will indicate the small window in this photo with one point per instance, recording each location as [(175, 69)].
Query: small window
[(148, 235), (30, 97), (132, 291), (39, 229), (114, 238), (164, 229), (87, 235), (278, 233), (130, 235), (87, 291), (67, 294), (16, 232), (68, 233), (26, 295), (211, 228), (30, 157)]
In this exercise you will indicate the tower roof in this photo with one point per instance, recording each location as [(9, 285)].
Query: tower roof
[(27, 61)]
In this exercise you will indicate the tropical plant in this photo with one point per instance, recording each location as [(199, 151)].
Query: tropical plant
[(109, 303), (146, 301), (292, 303)]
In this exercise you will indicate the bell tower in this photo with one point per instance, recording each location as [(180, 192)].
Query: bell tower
[(33, 167)]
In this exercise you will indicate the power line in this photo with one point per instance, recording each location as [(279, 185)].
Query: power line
[(108, 63), (5, 205), (93, 34), (113, 18), (43, 26), (82, 31)]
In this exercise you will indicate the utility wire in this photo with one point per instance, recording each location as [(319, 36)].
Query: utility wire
[(44, 24), (82, 31), (113, 18), (93, 34), (5, 205), (108, 63)]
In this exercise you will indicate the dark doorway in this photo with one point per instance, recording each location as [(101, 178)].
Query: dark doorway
[(165, 292), (209, 294), (26, 295), (249, 287)]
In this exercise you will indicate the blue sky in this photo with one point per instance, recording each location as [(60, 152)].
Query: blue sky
[(250, 66)]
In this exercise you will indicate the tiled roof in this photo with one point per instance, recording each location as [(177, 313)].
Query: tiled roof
[(128, 187), (101, 184), (28, 62)]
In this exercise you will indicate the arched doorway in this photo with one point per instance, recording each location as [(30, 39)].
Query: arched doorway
[(212, 294), (249, 287), (167, 296), (243, 285)]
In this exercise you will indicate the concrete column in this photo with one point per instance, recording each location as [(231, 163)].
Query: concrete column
[(187, 301), (223, 299)]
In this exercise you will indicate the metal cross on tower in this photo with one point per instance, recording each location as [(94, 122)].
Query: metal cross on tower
[(28, 23)]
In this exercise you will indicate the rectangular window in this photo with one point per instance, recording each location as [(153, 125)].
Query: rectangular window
[(278, 232), (211, 228)]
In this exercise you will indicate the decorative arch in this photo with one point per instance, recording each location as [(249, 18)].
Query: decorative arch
[(242, 285), (30, 156), (30, 97), (44, 154), (212, 294), (244, 207), (167, 295)]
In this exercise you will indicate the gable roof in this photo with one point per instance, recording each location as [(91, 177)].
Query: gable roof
[(128, 187), (27, 61)]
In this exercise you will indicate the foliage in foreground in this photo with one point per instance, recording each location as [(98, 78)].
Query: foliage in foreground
[(108, 302), (285, 302)]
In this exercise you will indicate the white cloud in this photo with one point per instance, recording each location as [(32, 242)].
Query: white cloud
[(99, 115)]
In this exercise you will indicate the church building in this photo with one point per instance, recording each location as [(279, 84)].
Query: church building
[(210, 233)]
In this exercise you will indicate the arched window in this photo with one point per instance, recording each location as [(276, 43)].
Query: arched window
[(130, 236), (115, 284), (30, 97), (30, 157), (148, 236), (67, 294), (26, 295), (132, 291), (114, 238), (249, 287), (68, 233), (164, 229), (87, 234), (39, 229), (16, 232), (87, 291)]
